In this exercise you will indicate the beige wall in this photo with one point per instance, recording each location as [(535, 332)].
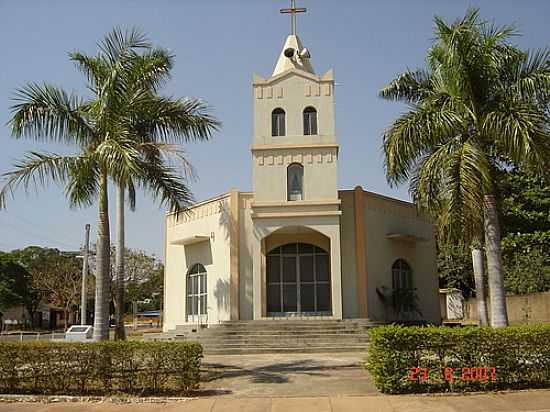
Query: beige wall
[(293, 91), (245, 261), (531, 308), (270, 172), (384, 216), (263, 226), (350, 307), (211, 219), (264, 231)]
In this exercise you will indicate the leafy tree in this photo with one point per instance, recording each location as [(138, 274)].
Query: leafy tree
[(527, 273), (525, 215), (476, 106), (53, 274), (145, 281), (525, 211), (144, 276), (100, 127), (30, 296), (13, 282), (454, 265)]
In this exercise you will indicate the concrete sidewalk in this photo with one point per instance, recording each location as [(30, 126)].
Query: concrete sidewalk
[(537, 400), (284, 375)]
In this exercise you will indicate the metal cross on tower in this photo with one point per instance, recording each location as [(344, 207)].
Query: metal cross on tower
[(293, 11)]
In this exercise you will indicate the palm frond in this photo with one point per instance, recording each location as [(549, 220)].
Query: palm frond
[(166, 120), (520, 132), (169, 154), (49, 113), (83, 182), (165, 184), (415, 132), (120, 157), (150, 70), (533, 76), (120, 43), (94, 68), (409, 87), (131, 190), (36, 170)]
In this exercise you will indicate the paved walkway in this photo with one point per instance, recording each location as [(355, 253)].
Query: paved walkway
[(299, 375), (538, 401)]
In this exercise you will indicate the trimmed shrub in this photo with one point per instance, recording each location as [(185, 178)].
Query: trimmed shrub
[(439, 359), (99, 368)]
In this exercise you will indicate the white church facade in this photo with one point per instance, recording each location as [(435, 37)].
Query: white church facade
[(296, 247)]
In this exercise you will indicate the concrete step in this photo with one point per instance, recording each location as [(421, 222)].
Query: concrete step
[(277, 336), (297, 346), (282, 328), (294, 342), (270, 332), (284, 349)]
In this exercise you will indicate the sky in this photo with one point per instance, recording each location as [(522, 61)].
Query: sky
[(218, 45)]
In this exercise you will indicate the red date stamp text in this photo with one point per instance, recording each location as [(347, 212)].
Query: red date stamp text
[(479, 374)]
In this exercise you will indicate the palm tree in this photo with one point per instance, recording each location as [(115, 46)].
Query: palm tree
[(474, 109), (152, 121), (99, 128)]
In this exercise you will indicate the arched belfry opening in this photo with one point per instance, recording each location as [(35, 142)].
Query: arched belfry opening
[(310, 121), (278, 122)]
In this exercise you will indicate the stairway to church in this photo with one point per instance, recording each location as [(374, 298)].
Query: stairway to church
[(278, 336)]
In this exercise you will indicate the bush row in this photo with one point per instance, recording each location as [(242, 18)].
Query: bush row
[(99, 368), (439, 359)]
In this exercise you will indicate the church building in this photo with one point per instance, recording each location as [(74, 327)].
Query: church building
[(297, 247)]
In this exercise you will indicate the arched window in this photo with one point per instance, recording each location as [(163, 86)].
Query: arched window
[(401, 275), (310, 121), (295, 181), (196, 292), (298, 280), (278, 122)]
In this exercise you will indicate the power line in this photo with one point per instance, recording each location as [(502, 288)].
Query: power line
[(25, 221), (31, 233)]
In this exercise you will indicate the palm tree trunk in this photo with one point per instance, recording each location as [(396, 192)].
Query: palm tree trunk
[(119, 264), (479, 279), (499, 315), (103, 278)]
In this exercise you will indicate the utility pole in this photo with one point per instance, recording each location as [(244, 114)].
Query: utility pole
[(84, 296)]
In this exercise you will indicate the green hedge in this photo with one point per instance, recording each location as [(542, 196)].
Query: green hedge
[(99, 368), (519, 355)]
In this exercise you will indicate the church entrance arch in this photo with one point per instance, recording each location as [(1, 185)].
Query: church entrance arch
[(298, 280)]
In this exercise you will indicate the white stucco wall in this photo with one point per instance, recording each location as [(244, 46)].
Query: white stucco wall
[(210, 219)]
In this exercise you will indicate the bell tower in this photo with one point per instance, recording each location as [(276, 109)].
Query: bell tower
[(294, 151)]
